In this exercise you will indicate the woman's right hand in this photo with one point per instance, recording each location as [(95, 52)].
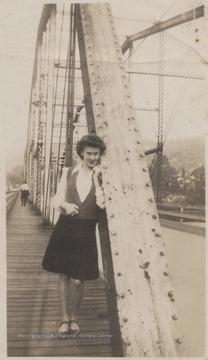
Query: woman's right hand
[(71, 209)]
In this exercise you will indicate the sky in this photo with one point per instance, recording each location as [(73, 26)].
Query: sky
[(185, 52)]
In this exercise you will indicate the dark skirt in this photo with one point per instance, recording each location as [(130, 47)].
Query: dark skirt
[(72, 249)]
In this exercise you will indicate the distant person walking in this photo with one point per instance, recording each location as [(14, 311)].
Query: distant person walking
[(24, 189)]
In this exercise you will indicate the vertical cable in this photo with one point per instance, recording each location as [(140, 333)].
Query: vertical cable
[(53, 119), (160, 119), (40, 129), (71, 79)]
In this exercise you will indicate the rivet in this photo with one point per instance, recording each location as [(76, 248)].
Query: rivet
[(146, 274), (166, 273), (158, 234), (141, 155), (151, 200), (125, 319), (114, 233), (119, 274), (170, 294), (153, 230), (154, 216), (161, 252), (179, 341), (116, 253), (145, 265), (148, 184), (174, 317), (144, 169)]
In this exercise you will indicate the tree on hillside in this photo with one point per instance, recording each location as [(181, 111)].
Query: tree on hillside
[(169, 183), (197, 196), (15, 177)]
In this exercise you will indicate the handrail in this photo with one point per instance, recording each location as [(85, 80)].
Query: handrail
[(181, 208), (11, 197)]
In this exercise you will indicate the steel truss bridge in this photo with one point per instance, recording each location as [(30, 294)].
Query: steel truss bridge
[(80, 85)]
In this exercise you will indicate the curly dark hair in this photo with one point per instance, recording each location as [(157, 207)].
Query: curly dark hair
[(92, 140)]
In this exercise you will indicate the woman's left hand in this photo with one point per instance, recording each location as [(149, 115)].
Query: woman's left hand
[(97, 173)]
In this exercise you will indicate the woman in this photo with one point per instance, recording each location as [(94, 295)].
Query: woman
[(72, 249)]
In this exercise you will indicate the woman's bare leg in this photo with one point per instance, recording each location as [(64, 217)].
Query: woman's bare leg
[(76, 300), (64, 289)]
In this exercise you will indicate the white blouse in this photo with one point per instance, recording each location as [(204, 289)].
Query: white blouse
[(84, 183)]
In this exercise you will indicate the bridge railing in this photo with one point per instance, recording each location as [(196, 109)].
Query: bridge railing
[(176, 212), (11, 197)]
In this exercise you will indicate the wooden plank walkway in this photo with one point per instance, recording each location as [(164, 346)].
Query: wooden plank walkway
[(33, 307), (32, 299)]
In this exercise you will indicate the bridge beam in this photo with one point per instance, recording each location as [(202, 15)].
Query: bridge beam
[(164, 25), (145, 300)]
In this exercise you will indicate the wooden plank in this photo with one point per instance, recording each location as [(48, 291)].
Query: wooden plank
[(33, 302), (86, 351)]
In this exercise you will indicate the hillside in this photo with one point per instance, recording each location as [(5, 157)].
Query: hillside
[(185, 153)]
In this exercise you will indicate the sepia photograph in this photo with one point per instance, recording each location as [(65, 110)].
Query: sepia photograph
[(103, 224)]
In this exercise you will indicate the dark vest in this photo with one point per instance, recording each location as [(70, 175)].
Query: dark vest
[(88, 209)]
